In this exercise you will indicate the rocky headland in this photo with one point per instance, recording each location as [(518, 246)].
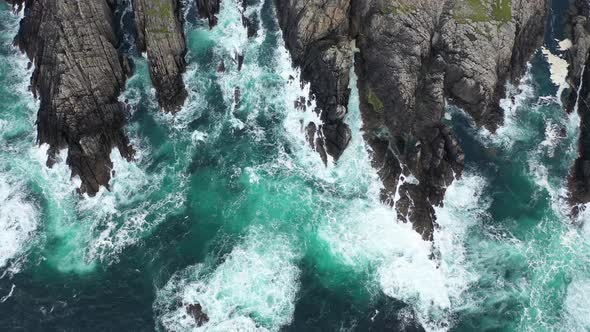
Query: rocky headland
[(78, 77), (412, 56), (80, 73)]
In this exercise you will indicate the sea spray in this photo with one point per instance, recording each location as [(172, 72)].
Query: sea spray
[(518, 97), (19, 208), (19, 219), (465, 208)]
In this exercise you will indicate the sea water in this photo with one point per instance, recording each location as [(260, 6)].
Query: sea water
[(225, 205)]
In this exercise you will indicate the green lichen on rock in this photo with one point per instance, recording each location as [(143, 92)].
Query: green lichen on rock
[(162, 13), (375, 101), (483, 11), (161, 9), (502, 10), (395, 7)]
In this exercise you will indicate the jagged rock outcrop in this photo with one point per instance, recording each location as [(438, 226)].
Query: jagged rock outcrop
[(196, 312), (160, 34), (78, 77), (208, 9), (577, 98), (413, 55), (317, 35)]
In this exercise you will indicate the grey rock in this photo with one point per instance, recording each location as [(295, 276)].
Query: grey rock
[(317, 35), (78, 77), (160, 34)]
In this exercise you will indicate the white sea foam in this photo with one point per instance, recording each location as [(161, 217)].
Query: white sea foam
[(369, 239), (253, 289), (464, 208), (577, 306), (552, 138), (297, 120), (97, 229), (19, 218), (565, 44), (512, 130), (558, 67), (118, 216)]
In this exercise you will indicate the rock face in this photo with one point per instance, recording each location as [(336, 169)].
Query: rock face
[(209, 9), (317, 35), (579, 81), (413, 54), (160, 34), (78, 77)]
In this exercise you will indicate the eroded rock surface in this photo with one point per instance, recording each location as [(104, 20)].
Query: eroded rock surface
[(78, 77), (413, 54), (160, 34)]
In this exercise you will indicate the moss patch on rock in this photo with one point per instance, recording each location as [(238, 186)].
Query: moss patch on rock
[(396, 7), (375, 101), (483, 11)]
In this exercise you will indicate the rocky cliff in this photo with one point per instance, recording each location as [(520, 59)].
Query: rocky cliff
[(412, 56), (577, 98), (160, 34), (78, 77)]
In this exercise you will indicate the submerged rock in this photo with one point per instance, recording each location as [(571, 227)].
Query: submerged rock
[(412, 56), (196, 312), (160, 34), (78, 77)]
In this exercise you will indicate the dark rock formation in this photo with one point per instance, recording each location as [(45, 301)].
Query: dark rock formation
[(317, 35), (577, 97), (78, 77), (413, 55), (208, 9), (249, 22), (160, 34), (196, 311)]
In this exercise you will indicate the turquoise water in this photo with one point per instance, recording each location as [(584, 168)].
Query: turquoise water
[(227, 206)]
